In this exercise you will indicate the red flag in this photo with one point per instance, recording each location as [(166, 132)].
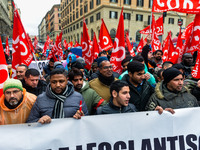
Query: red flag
[(3, 68), (70, 44), (196, 72), (7, 47), (21, 53), (129, 46), (30, 44), (179, 47), (118, 53), (165, 48), (185, 6), (193, 43), (140, 46), (145, 40), (46, 45), (86, 52), (35, 42), (187, 31), (77, 44), (65, 44), (105, 41), (158, 29), (156, 45), (95, 47)]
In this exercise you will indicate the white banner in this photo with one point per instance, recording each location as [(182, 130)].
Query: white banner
[(130, 131)]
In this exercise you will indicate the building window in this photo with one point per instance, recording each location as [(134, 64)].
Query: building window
[(70, 18), (114, 1), (77, 26), (81, 1), (81, 24), (139, 17), (91, 19), (98, 2), (76, 2), (171, 21), (112, 34), (127, 16), (150, 3), (140, 3), (70, 28), (86, 21), (74, 27), (85, 8), (92, 34), (127, 2), (73, 5), (149, 20), (98, 16), (81, 11), (77, 37), (91, 4), (73, 17), (77, 15), (113, 14)]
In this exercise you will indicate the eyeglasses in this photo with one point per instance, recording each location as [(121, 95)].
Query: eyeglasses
[(108, 67), (14, 92)]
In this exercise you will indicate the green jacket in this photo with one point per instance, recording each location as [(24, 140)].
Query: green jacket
[(91, 98), (166, 99)]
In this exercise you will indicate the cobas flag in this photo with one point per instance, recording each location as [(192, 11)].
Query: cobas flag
[(3, 68), (21, 53), (185, 6), (118, 53)]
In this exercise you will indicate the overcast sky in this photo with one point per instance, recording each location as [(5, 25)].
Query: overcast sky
[(32, 12)]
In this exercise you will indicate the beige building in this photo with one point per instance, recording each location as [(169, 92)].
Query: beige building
[(5, 22), (137, 16)]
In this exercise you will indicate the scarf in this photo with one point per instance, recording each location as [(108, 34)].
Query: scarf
[(58, 111), (106, 80)]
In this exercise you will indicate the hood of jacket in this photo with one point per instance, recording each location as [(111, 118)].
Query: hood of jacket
[(85, 86), (162, 91)]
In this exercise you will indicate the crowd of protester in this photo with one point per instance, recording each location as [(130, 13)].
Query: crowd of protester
[(145, 84)]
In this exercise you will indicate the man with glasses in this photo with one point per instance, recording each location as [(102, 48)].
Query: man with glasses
[(15, 103), (102, 84)]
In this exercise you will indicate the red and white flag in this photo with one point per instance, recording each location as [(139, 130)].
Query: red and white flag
[(65, 44), (21, 53), (95, 47), (86, 52), (140, 46), (46, 45), (35, 42), (158, 28), (193, 43), (196, 71), (118, 53), (7, 47), (3, 68), (186, 33), (179, 47), (105, 41), (77, 44), (70, 44), (129, 46), (185, 6)]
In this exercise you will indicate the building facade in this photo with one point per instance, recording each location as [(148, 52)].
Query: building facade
[(137, 16), (5, 22)]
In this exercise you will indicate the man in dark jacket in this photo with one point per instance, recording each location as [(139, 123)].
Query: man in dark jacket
[(91, 98), (59, 101), (171, 93), (140, 89), (32, 83), (119, 102)]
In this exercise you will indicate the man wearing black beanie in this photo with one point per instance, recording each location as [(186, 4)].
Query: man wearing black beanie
[(171, 93)]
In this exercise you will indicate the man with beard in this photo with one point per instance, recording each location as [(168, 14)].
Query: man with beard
[(187, 62), (15, 103), (59, 101), (157, 58), (171, 93), (102, 84), (91, 98)]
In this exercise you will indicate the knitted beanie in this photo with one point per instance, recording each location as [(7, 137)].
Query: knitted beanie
[(12, 83), (170, 73)]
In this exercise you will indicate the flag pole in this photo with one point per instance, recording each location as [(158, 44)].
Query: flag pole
[(37, 65)]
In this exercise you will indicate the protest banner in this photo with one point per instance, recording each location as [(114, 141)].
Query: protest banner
[(130, 131)]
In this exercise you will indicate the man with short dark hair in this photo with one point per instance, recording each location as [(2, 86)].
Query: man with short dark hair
[(157, 58), (20, 71), (140, 89), (119, 101), (171, 93), (92, 99), (15, 103), (59, 101), (32, 82), (167, 64), (187, 62), (48, 68)]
